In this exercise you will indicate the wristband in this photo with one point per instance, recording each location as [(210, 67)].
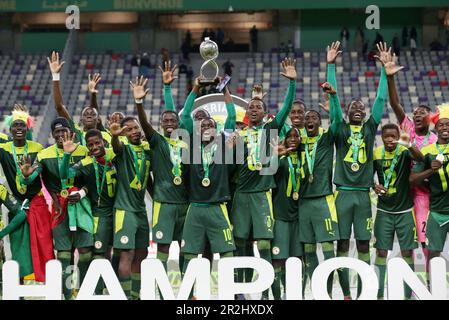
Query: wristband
[(82, 193), (55, 76), (139, 101)]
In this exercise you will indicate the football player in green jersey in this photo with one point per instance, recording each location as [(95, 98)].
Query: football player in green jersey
[(62, 191), (354, 166), (131, 228), (392, 163), (435, 170), (170, 201), (286, 242), (98, 171), (318, 222), (252, 205), (89, 115)]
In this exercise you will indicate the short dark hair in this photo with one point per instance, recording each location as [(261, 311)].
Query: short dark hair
[(314, 111), (126, 119), (425, 107), (201, 110), (169, 111), (390, 126), (93, 133), (301, 102), (211, 119), (258, 99)]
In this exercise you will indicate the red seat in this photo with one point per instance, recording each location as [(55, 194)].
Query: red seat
[(116, 91), (432, 73), (25, 87), (241, 90), (369, 74), (443, 83), (115, 56), (89, 66)]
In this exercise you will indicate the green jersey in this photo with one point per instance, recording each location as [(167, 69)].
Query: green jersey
[(393, 172), (438, 181), (287, 179), (100, 182), (48, 162), (350, 139), (215, 170), (317, 181), (9, 159), (4, 138), (166, 165), (133, 168)]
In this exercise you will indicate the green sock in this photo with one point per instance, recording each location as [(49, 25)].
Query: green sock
[(328, 253), (276, 286), (64, 257), (310, 261), (343, 275), (407, 289), (115, 261), (100, 285), (181, 263), (264, 248), (365, 257), (126, 286), (135, 286), (240, 252), (381, 268), (83, 264), (249, 252)]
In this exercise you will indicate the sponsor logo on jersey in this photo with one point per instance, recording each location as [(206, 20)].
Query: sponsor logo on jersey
[(124, 239)]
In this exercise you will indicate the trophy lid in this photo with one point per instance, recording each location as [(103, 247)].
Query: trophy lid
[(208, 49)]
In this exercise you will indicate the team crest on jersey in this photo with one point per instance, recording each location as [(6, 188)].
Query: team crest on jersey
[(124, 239), (159, 235), (183, 243), (276, 250), (98, 244)]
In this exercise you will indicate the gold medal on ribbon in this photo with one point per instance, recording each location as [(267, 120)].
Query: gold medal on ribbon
[(205, 182), (295, 195), (310, 178), (22, 190), (177, 181), (139, 186), (258, 166), (355, 167), (64, 193)]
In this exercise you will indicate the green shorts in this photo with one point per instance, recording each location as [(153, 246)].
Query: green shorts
[(436, 234), (103, 234), (253, 212), (318, 220), (66, 240), (387, 224), (131, 230), (168, 221), (286, 242), (207, 223), (354, 209)]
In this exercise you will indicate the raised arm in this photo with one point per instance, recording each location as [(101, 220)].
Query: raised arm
[(69, 146), (335, 113), (230, 108), (29, 171), (381, 97), (289, 72), (140, 92), (55, 68), (186, 115), (116, 131), (391, 68), (168, 76), (415, 153), (92, 86)]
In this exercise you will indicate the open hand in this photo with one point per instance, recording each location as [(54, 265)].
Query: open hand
[(257, 92), (92, 86), (288, 65), (168, 73), (68, 143), (116, 129), (53, 62), (333, 52), (138, 87), (26, 167)]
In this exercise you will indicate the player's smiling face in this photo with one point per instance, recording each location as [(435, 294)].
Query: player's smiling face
[(169, 123), (421, 118), (133, 132), (208, 130), (297, 115), (58, 134), (90, 118), (95, 144), (255, 112), (356, 112), (389, 138), (312, 123), (442, 128), (19, 130), (293, 139)]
